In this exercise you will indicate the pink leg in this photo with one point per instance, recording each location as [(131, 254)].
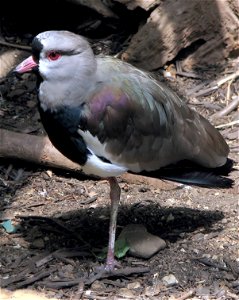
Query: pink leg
[(115, 199)]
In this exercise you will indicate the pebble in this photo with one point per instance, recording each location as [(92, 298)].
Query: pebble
[(198, 237), (154, 290), (133, 285), (224, 221), (98, 286), (170, 218), (126, 293), (170, 280), (38, 243), (203, 291)]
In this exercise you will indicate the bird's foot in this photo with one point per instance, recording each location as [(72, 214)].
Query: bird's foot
[(111, 265), (109, 271)]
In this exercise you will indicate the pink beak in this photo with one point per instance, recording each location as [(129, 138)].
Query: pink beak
[(26, 66)]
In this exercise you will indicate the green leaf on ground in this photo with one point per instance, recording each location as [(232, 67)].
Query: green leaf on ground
[(8, 226), (121, 248)]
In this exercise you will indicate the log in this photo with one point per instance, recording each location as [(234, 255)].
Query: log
[(200, 33), (145, 4), (39, 150), (34, 149)]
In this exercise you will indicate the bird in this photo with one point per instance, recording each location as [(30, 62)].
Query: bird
[(111, 117)]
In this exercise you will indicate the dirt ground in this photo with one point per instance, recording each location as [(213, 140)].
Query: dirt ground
[(61, 220)]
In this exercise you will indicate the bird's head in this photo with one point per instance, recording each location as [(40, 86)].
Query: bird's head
[(59, 55)]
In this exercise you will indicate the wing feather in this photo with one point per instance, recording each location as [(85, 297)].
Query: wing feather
[(143, 125)]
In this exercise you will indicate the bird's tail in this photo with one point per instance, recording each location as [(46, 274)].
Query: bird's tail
[(192, 174)]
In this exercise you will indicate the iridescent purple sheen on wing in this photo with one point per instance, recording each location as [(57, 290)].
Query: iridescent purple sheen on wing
[(108, 97)]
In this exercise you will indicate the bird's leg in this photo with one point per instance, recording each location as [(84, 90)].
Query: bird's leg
[(115, 199)]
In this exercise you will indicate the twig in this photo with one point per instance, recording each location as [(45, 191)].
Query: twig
[(232, 77), (35, 278), (205, 261), (198, 87), (232, 265), (228, 95), (18, 261), (187, 295), (12, 207), (79, 292), (13, 45), (89, 280), (226, 110), (44, 260), (228, 124), (188, 74), (114, 283), (206, 91), (89, 200), (117, 273), (211, 87), (178, 66)]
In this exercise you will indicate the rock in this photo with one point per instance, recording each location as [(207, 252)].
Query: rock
[(38, 243), (133, 285), (126, 293), (141, 243), (98, 286), (154, 290), (198, 237), (170, 218), (170, 280), (203, 291)]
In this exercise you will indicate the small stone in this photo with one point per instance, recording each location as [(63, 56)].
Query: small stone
[(31, 103), (203, 291), (49, 173), (198, 237), (133, 285), (170, 218), (126, 293), (170, 280), (38, 243), (16, 93), (154, 290), (141, 243), (196, 251), (88, 292), (98, 286), (143, 189)]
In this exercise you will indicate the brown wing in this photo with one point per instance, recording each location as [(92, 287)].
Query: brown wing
[(143, 125)]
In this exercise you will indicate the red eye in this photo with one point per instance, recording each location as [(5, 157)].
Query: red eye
[(53, 55)]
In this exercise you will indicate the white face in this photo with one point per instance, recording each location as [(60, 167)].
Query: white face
[(67, 66), (64, 55)]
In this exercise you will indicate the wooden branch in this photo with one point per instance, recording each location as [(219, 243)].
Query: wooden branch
[(14, 45), (39, 150), (226, 110), (35, 149)]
